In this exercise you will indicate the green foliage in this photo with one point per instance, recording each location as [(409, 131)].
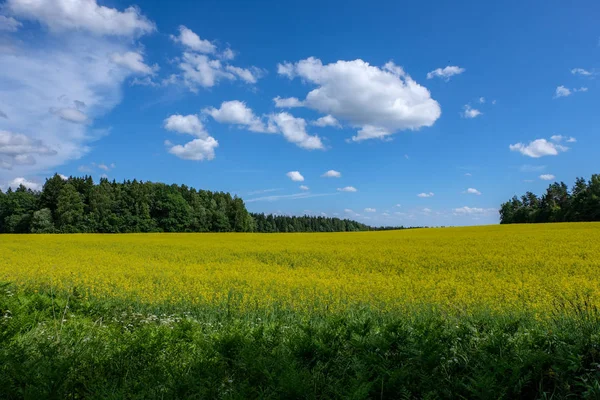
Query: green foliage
[(556, 205), (68, 346), (42, 221), (78, 205)]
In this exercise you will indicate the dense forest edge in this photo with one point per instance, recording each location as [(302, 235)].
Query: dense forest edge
[(78, 205), (558, 204)]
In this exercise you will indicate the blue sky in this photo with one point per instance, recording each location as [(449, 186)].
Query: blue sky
[(428, 113)]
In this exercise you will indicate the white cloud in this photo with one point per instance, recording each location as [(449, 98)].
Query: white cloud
[(547, 177), (560, 138), (201, 70), (247, 75), (237, 113), (470, 112), (468, 174), (18, 149), (227, 54), (189, 124), (289, 102), (9, 24), (351, 212), (425, 195), (398, 205), (87, 15), (70, 114), (474, 211), (328, 120), (385, 214), (286, 69), (262, 191), (581, 71), (370, 210), (134, 62), (304, 187), (15, 183), (196, 150), (538, 148), (482, 100), (63, 177), (445, 72), (332, 174), (295, 176), (347, 189), (562, 91), (473, 191), (377, 101), (294, 131), (200, 149), (302, 195), (532, 168), (192, 41), (427, 210), (54, 74)]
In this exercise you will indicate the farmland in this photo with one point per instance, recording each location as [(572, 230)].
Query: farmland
[(348, 314)]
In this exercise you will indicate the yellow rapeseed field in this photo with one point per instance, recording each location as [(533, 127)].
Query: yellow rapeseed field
[(497, 267)]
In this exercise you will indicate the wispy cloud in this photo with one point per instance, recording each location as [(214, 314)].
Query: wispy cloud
[(262, 191), (294, 196)]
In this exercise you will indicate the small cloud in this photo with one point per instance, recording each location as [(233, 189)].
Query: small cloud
[(538, 148), (347, 189), (562, 91), (473, 191), (581, 71), (332, 174), (304, 187), (560, 138), (327, 120), (370, 210), (427, 210), (262, 191), (482, 100), (15, 183), (290, 102), (470, 112), (63, 177), (385, 214), (446, 72), (398, 205), (468, 174), (532, 168), (407, 157), (493, 101), (547, 177), (473, 211), (424, 195), (295, 176)]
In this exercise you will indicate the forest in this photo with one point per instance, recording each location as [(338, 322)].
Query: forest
[(558, 204), (77, 204)]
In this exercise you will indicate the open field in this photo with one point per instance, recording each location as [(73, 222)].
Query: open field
[(484, 312), (500, 268)]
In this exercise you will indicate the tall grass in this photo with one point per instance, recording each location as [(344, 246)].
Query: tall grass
[(65, 345)]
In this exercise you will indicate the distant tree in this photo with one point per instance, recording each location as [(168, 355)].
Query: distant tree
[(42, 221), (556, 205), (70, 209)]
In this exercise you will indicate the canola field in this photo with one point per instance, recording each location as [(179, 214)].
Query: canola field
[(497, 268)]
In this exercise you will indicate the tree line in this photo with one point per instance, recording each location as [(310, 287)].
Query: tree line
[(77, 204), (558, 204)]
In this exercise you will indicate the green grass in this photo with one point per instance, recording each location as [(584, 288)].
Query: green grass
[(66, 347)]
